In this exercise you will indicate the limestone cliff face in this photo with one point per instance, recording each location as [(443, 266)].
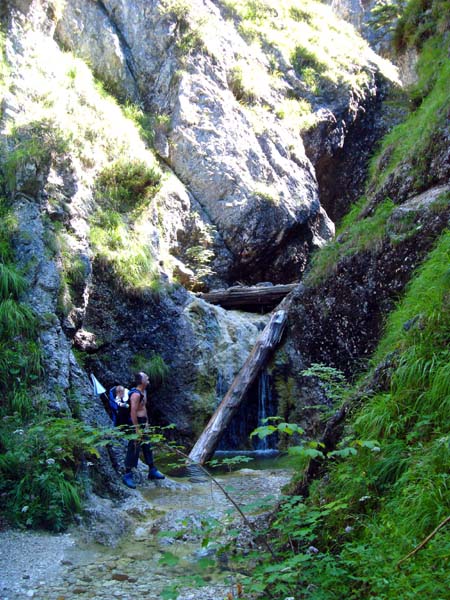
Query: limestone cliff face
[(254, 182), (257, 187)]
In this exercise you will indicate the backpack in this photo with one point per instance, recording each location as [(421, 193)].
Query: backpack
[(120, 415)]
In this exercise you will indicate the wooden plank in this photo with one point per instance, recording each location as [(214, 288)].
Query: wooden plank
[(257, 359), (237, 296)]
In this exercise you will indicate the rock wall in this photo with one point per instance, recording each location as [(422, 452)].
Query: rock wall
[(338, 322), (256, 185)]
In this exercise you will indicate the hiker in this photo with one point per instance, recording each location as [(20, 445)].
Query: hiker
[(139, 419), (119, 405)]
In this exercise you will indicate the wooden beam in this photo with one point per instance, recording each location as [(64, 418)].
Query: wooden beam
[(257, 359), (237, 296)]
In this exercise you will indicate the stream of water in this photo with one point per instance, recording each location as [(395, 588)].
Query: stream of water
[(165, 548)]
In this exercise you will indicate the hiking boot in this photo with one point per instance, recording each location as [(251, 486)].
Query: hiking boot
[(155, 474), (128, 480)]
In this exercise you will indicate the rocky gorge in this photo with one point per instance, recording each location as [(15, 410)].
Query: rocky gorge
[(152, 150)]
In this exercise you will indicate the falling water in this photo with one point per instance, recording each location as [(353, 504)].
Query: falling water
[(265, 409), (256, 407)]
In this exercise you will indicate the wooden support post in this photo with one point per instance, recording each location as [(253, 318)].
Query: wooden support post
[(257, 359)]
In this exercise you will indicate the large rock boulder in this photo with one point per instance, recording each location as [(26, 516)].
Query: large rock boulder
[(188, 64)]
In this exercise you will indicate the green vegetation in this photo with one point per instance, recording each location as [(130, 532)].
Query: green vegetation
[(243, 83), (155, 367), (420, 138), (190, 25), (64, 121), (41, 469), (386, 13), (127, 185), (386, 487), (144, 122), (323, 50), (124, 251), (19, 356), (200, 255), (419, 21), (34, 144), (39, 455), (296, 114), (353, 236), (388, 484), (4, 70)]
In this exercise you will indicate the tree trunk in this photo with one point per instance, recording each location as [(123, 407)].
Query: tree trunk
[(257, 359), (254, 296)]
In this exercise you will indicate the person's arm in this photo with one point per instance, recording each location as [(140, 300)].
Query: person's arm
[(134, 405)]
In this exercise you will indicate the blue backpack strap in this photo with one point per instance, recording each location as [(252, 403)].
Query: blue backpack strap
[(113, 404), (135, 391)]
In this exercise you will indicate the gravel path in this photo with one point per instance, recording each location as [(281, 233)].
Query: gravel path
[(30, 561)]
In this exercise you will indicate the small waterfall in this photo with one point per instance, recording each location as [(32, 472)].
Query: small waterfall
[(265, 409), (258, 406)]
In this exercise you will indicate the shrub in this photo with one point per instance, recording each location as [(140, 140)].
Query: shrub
[(127, 185), (41, 470)]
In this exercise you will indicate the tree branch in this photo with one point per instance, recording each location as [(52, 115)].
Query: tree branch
[(250, 525), (424, 542)]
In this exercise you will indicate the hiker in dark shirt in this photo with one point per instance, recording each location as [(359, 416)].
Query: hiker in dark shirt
[(139, 419)]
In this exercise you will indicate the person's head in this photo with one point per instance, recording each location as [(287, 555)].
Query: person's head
[(120, 391), (141, 379)]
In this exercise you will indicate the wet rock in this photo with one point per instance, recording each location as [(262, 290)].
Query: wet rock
[(120, 576)]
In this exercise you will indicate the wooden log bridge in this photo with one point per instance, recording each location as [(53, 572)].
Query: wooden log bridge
[(256, 360), (257, 296)]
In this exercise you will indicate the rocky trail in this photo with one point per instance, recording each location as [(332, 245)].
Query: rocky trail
[(163, 548)]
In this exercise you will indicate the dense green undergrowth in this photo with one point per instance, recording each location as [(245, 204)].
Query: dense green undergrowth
[(388, 484), (40, 455)]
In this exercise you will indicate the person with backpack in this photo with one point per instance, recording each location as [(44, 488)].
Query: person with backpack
[(119, 405), (139, 422)]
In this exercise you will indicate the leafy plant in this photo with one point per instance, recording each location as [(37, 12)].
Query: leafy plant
[(331, 380), (41, 468)]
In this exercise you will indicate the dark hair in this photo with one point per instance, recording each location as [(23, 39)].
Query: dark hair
[(138, 378)]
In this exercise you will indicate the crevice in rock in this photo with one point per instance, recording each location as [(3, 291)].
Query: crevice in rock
[(126, 48)]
